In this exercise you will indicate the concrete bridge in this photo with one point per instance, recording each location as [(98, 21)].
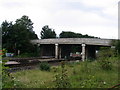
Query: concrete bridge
[(61, 47)]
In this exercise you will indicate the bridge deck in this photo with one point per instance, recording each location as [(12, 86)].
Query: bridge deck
[(89, 41)]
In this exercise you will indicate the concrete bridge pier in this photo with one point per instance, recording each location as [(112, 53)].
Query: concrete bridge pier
[(83, 52), (56, 51), (88, 52)]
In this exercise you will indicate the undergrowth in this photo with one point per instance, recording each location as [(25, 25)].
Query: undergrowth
[(75, 74)]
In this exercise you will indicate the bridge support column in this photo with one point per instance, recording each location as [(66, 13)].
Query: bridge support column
[(83, 52), (56, 51)]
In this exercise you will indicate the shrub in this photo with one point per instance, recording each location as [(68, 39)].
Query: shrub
[(105, 64), (7, 79), (61, 79), (44, 66), (105, 52)]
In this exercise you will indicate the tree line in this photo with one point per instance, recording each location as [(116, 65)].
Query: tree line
[(17, 36), (47, 32)]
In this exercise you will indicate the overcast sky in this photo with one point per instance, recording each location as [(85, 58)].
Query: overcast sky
[(93, 17)]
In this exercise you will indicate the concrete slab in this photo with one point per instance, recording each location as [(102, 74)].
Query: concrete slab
[(11, 62)]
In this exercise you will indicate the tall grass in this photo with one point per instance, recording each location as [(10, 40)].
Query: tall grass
[(81, 75), (91, 75), (34, 78)]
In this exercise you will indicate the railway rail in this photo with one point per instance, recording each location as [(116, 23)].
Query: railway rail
[(17, 64)]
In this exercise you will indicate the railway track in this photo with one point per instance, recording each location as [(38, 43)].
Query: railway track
[(18, 64)]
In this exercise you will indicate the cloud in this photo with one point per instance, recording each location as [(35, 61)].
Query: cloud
[(95, 17)]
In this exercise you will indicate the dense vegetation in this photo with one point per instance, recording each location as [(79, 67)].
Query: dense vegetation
[(75, 74), (17, 36), (100, 73)]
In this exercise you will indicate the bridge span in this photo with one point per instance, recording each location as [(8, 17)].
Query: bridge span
[(61, 47)]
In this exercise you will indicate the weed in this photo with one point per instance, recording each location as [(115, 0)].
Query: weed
[(54, 69), (82, 75), (61, 79)]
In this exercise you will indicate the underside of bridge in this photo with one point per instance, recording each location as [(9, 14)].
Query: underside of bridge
[(60, 51)]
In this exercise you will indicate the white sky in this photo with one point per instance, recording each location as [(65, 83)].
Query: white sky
[(93, 17)]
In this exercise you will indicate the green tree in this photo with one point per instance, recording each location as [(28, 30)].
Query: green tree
[(7, 35), (25, 33), (17, 36), (67, 35), (47, 32), (64, 34), (25, 24)]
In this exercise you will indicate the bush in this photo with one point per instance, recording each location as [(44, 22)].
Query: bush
[(105, 64), (62, 79), (105, 52), (103, 58), (44, 66), (7, 79)]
